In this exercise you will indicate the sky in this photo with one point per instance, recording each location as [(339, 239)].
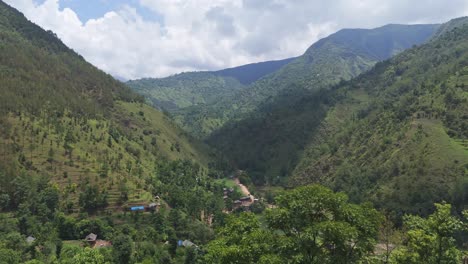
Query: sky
[(133, 39)]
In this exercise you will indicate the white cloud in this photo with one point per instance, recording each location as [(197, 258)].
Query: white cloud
[(214, 34)]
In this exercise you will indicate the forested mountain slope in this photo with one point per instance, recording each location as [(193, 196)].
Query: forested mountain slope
[(62, 118), (398, 134), (249, 73), (201, 88), (269, 140), (395, 135), (340, 56), (185, 89)]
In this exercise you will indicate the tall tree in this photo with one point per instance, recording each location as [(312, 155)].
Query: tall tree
[(431, 240), (123, 249)]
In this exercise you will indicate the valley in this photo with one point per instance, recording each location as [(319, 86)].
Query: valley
[(355, 151)]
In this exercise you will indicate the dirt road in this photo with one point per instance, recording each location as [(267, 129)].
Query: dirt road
[(245, 191)]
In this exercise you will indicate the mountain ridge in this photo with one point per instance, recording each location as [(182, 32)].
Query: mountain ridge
[(323, 64)]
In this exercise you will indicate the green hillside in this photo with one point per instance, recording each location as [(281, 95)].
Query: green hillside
[(268, 141), (91, 173), (185, 89), (249, 73), (62, 117), (200, 89), (399, 132), (78, 149), (395, 135)]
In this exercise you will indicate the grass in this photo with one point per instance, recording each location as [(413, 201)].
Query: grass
[(228, 183), (75, 243), (445, 149)]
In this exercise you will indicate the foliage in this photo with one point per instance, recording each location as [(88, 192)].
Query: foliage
[(310, 225), (431, 240), (185, 89), (122, 248), (201, 88), (395, 134), (63, 118), (88, 256), (77, 148)]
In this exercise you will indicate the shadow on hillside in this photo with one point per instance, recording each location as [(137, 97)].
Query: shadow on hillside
[(268, 142)]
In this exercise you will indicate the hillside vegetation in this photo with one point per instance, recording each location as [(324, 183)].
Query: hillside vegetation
[(287, 107), (188, 89), (398, 133), (62, 117), (90, 174), (78, 149)]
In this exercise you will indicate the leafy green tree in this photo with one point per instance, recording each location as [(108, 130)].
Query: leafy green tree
[(123, 249), (323, 227), (431, 240), (311, 225), (9, 256), (50, 197), (89, 256), (91, 198), (243, 241), (4, 201)]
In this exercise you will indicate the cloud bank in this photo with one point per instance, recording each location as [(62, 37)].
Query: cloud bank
[(213, 34)]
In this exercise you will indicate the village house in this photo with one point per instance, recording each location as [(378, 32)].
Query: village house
[(152, 207), (91, 239), (96, 243), (30, 239)]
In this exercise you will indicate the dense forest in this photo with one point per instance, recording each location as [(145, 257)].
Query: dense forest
[(345, 168)]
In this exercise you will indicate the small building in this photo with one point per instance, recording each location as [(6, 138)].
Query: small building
[(153, 206), (137, 208), (91, 239), (186, 243), (245, 199), (30, 239)]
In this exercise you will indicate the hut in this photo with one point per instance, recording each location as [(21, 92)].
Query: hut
[(30, 239), (91, 239)]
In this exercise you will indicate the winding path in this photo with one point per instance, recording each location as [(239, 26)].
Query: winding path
[(245, 191)]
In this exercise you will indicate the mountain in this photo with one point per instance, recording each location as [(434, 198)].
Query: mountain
[(249, 73), (201, 88), (340, 56), (270, 124), (399, 134), (395, 135), (63, 118), (89, 173), (185, 89)]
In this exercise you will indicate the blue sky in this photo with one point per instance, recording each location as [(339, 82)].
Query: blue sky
[(92, 9), (155, 38)]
